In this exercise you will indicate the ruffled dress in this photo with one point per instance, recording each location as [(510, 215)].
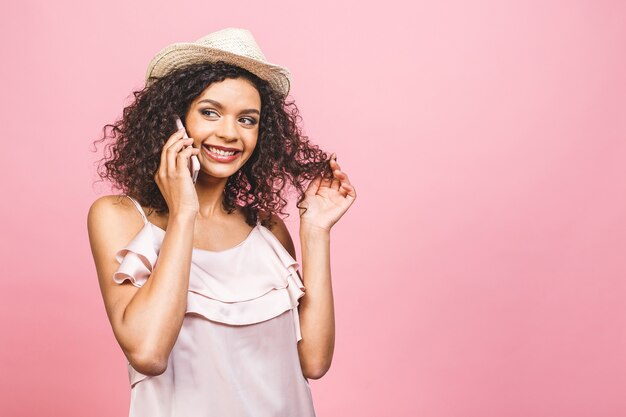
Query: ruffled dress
[(236, 354)]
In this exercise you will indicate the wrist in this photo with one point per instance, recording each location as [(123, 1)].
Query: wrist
[(308, 229), (182, 217)]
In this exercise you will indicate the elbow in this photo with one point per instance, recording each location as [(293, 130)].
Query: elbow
[(316, 370), (315, 362), (150, 365)]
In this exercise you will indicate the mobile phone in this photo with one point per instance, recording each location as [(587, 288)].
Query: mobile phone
[(194, 167)]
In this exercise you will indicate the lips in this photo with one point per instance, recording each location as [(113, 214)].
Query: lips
[(223, 148), (210, 151)]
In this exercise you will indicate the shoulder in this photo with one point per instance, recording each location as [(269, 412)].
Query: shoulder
[(111, 206), (113, 213), (279, 229)]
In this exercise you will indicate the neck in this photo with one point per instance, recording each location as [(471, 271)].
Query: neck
[(210, 193)]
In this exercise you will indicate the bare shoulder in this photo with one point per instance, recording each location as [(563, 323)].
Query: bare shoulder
[(108, 203), (109, 210), (279, 229), (111, 222)]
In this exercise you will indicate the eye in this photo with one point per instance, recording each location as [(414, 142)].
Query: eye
[(251, 121), (206, 111)]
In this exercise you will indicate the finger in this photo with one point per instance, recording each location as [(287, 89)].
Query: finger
[(344, 188), (182, 158), (333, 162), (313, 186), (335, 166), (172, 153), (180, 144), (349, 190), (326, 182), (180, 133), (172, 139), (342, 176)]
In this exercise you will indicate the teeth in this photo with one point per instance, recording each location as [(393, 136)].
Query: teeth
[(221, 152)]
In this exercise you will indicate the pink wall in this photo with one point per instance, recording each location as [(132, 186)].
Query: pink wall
[(480, 271)]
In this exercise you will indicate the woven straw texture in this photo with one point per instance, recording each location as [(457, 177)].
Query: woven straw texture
[(232, 45)]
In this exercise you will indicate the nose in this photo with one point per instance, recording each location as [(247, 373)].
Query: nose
[(227, 129)]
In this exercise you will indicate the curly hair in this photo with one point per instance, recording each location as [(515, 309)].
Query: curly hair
[(283, 153)]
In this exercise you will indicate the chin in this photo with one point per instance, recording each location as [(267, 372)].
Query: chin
[(224, 172), (218, 174)]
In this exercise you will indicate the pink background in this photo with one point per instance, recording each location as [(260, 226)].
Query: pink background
[(480, 271)]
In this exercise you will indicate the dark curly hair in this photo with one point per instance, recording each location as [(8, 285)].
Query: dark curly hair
[(283, 153)]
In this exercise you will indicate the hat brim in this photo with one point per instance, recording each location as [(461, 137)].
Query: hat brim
[(180, 55)]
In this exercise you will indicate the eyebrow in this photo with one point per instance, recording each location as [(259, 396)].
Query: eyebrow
[(219, 106)]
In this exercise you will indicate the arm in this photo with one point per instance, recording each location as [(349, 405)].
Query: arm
[(316, 309), (326, 200), (146, 321)]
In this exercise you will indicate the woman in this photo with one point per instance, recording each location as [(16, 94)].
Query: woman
[(200, 279)]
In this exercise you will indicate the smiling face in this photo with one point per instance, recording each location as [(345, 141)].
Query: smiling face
[(224, 119)]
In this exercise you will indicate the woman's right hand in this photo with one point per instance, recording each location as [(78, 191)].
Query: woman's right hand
[(173, 177)]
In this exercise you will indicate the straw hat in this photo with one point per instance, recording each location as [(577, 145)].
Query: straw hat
[(232, 45)]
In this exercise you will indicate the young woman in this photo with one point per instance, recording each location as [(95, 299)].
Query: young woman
[(199, 278)]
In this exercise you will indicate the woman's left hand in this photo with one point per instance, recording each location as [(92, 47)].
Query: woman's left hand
[(326, 200)]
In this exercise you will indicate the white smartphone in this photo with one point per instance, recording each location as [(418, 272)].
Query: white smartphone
[(194, 167)]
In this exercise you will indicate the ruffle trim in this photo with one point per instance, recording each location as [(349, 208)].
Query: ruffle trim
[(255, 310), (138, 257)]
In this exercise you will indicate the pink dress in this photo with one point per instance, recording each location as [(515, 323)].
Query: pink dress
[(236, 354)]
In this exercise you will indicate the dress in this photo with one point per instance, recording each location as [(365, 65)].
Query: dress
[(236, 354)]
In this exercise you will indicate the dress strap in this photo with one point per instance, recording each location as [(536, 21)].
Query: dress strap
[(143, 214)]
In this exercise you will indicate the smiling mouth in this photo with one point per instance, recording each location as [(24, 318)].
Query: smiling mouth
[(221, 152)]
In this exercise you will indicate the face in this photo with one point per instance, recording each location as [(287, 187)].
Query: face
[(222, 120)]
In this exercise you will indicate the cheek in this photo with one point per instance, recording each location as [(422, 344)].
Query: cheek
[(202, 131), (252, 142), (200, 135)]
